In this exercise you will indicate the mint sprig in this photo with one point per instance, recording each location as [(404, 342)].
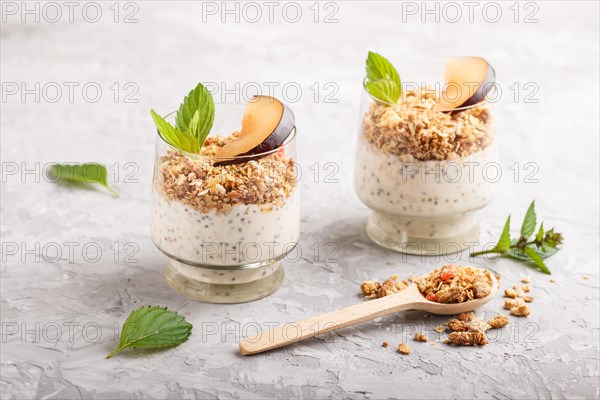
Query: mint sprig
[(542, 246), (196, 113), (193, 121), (173, 136), (81, 174), (383, 81), (153, 327)]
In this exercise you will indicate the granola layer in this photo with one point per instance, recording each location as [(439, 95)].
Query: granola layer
[(413, 130), (265, 182)]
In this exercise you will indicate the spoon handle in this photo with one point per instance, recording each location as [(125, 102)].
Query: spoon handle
[(297, 331)]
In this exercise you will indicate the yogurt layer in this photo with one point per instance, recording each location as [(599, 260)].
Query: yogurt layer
[(398, 185), (243, 235), (429, 199)]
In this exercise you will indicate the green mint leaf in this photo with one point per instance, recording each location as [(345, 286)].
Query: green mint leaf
[(529, 254), (540, 235), (518, 253), (187, 142), (538, 261), (153, 327), (383, 81), (81, 173), (199, 105), (529, 221), (166, 130), (173, 136), (504, 241), (378, 67), (383, 90), (195, 122)]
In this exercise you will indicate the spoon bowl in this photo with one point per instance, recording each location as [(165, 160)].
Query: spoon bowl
[(421, 303), (410, 298)]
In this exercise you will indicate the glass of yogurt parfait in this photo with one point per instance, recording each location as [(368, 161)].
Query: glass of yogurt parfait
[(228, 213), (422, 157)]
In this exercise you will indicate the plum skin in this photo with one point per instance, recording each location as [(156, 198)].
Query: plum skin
[(282, 131)]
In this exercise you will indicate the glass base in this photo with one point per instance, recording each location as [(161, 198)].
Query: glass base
[(423, 236), (224, 286)]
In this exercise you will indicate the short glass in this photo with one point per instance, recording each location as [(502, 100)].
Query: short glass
[(225, 244), (424, 194)]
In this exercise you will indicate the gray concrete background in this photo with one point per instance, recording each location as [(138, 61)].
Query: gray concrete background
[(551, 354)]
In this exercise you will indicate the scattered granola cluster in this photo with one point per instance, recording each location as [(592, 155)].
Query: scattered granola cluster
[(520, 310), (373, 289), (413, 130), (468, 330), (403, 349), (516, 299), (265, 182), (421, 337), (467, 338), (455, 284), (497, 322), (440, 329)]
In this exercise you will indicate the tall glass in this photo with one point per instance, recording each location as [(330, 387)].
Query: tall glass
[(225, 224), (424, 174)]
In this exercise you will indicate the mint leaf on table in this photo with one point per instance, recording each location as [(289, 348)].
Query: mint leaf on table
[(517, 253), (153, 327), (504, 241), (540, 235), (535, 257), (197, 113), (529, 221), (544, 245), (173, 136), (383, 81), (81, 173)]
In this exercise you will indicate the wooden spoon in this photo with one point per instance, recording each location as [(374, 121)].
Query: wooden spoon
[(407, 299)]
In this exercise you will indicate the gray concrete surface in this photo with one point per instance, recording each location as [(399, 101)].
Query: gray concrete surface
[(551, 354)]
